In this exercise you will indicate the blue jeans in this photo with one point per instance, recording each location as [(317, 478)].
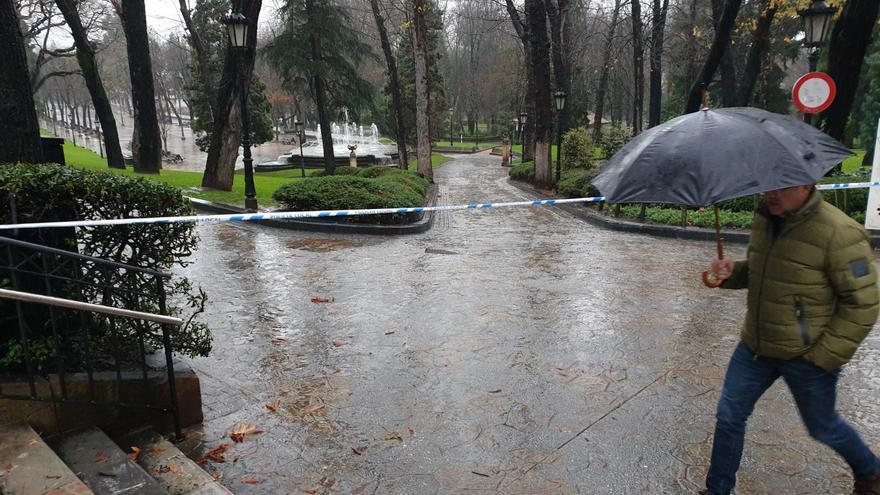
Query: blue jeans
[(814, 391)]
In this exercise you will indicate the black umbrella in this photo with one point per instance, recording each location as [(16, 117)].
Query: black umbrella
[(706, 157)]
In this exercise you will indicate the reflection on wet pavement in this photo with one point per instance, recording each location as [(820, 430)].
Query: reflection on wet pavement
[(544, 356)]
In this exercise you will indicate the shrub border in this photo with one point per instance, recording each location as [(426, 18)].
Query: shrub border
[(652, 229), (332, 225)]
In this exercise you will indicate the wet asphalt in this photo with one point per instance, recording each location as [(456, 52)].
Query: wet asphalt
[(510, 351)]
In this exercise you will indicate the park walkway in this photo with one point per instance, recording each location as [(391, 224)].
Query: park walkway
[(515, 351)]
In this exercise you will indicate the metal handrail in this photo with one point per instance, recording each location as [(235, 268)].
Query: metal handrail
[(71, 254), (96, 308)]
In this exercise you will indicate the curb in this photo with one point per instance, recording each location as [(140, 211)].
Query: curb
[(331, 225), (655, 230)]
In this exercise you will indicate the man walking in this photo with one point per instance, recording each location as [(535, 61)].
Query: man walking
[(812, 299)]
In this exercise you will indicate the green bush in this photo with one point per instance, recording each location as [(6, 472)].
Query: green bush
[(577, 150), (54, 192), (524, 172), (614, 137), (698, 218), (577, 184), (743, 204), (394, 188)]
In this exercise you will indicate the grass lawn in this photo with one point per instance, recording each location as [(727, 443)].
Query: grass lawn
[(190, 182), (852, 163)]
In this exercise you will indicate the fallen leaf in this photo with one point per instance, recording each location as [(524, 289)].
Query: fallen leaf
[(252, 481), (314, 409), (135, 452), (101, 457), (361, 489), (8, 467), (216, 475), (410, 430), (480, 474), (337, 343), (390, 332), (563, 429), (274, 406), (152, 472), (310, 491), (240, 431), (394, 436), (319, 299), (496, 391), (157, 450), (279, 340), (217, 454), (174, 468), (108, 475), (357, 451), (33, 441)]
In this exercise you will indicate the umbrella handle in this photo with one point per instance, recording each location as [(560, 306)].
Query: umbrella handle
[(709, 280)]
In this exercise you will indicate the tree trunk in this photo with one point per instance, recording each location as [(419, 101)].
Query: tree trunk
[(396, 99), (226, 132), (658, 26), (18, 125), (559, 30), (728, 70), (603, 78), (846, 52), (522, 30), (148, 153), (423, 129), (542, 120), (638, 68), (85, 55), (719, 46), (324, 122), (760, 45), (691, 69), (198, 46)]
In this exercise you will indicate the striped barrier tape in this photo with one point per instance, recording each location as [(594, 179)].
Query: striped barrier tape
[(286, 215)]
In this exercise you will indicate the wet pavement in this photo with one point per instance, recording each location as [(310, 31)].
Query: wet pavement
[(515, 351)]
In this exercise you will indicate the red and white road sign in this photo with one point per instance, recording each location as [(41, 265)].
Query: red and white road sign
[(814, 92)]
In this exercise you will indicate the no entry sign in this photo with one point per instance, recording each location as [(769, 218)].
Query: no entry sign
[(814, 92)]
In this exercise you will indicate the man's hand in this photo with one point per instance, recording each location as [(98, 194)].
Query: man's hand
[(722, 269)]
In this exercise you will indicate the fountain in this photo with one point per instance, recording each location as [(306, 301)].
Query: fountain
[(345, 135)]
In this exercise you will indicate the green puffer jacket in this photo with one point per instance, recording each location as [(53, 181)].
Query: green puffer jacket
[(812, 287)]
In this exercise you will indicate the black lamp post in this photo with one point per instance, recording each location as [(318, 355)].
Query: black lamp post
[(559, 96), (522, 133), (298, 126), (817, 20), (237, 26), (451, 144), (515, 122)]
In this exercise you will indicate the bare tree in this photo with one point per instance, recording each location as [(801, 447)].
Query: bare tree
[(539, 43), (85, 55), (391, 69), (638, 67), (757, 50), (606, 68), (719, 45), (658, 25)]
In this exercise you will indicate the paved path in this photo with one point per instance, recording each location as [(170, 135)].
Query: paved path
[(544, 356)]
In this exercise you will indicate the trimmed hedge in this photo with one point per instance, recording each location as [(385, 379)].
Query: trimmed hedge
[(369, 188), (524, 172), (56, 192)]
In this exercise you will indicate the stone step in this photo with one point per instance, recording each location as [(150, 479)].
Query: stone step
[(178, 474), (103, 466), (29, 467)]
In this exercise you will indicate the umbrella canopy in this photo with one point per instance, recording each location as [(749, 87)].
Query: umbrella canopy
[(710, 156)]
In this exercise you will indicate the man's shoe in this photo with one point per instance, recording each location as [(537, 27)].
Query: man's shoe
[(704, 492), (867, 486)]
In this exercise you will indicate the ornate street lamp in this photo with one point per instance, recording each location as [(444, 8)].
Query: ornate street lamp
[(522, 136), (300, 131), (559, 96), (817, 20), (237, 27)]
